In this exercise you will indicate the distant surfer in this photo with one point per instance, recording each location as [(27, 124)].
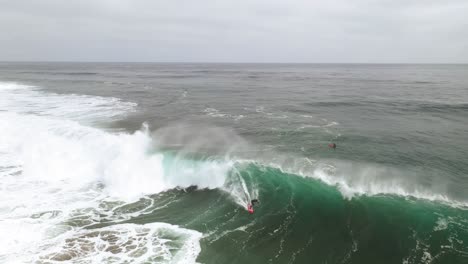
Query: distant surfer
[(250, 206), (332, 145)]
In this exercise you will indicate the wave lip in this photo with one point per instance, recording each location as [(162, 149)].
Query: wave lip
[(356, 179)]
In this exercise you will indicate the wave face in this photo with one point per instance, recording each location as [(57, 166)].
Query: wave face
[(134, 164), (301, 219)]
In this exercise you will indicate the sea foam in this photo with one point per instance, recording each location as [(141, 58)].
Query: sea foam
[(57, 170)]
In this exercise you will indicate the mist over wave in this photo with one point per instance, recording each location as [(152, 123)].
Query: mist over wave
[(58, 167)]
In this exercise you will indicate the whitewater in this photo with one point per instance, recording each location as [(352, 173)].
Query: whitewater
[(55, 169)]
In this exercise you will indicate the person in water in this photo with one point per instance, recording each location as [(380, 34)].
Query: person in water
[(250, 206), (332, 145)]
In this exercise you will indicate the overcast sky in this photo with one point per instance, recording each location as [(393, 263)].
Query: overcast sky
[(420, 31)]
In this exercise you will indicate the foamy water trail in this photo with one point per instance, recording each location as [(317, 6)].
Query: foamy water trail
[(27, 99), (57, 173), (127, 243)]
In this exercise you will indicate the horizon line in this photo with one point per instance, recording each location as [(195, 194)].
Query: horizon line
[(226, 62)]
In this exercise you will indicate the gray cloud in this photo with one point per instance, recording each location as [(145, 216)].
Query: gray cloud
[(235, 31)]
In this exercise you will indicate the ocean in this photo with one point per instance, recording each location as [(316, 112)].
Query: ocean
[(157, 162)]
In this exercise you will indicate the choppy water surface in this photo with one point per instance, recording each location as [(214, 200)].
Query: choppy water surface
[(155, 163)]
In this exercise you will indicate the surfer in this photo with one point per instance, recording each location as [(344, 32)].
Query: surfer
[(332, 145), (250, 206)]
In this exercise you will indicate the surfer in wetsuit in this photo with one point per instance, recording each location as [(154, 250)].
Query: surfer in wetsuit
[(250, 206)]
